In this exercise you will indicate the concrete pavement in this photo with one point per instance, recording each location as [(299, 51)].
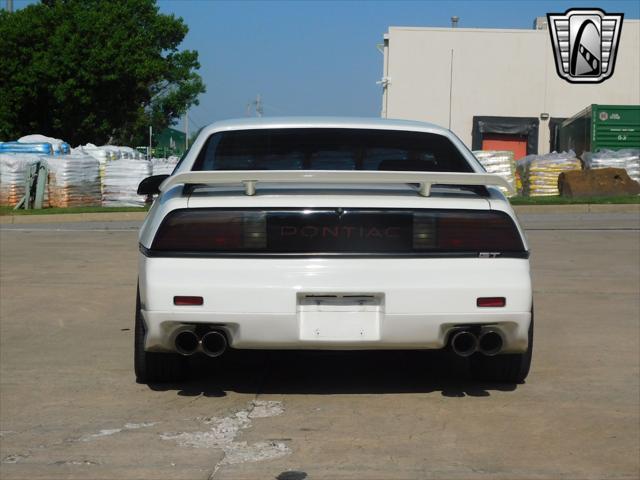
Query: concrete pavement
[(69, 407)]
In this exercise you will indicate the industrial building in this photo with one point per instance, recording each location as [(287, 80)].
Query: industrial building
[(497, 89)]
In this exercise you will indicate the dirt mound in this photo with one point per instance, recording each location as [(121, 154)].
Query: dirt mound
[(601, 182)]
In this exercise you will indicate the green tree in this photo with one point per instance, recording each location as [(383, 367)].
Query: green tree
[(94, 70)]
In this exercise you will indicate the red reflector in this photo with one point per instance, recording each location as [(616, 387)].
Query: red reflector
[(491, 302), (188, 300)]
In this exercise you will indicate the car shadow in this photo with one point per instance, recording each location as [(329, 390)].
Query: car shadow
[(326, 373)]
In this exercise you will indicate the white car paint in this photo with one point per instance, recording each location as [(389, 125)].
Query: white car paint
[(259, 303)]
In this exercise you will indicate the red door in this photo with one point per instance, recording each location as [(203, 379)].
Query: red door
[(515, 143)]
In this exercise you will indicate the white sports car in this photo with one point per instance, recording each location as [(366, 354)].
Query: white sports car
[(331, 234)]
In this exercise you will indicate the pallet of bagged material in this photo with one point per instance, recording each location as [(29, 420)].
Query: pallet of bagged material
[(74, 181), (539, 173), (121, 180), (59, 147), (163, 166), (499, 162), (14, 168), (629, 159)]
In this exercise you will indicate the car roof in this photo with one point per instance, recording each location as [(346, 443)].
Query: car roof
[(323, 122)]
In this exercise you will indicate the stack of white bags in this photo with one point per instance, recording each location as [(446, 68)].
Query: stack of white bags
[(500, 163), (60, 147), (629, 159), (74, 181), (13, 174), (87, 175), (163, 166), (121, 180)]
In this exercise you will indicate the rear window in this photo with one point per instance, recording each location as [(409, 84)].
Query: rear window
[(330, 149)]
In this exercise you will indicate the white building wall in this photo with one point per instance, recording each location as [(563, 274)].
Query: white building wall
[(494, 73)]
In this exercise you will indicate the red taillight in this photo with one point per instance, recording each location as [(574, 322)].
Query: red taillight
[(209, 230), (181, 301), (480, 232), (491, 302), (326, 231)]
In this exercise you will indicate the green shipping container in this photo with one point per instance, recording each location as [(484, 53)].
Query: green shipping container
[(601, 127)]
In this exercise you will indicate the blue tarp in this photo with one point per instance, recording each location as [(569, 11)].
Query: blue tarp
[(17, 147)]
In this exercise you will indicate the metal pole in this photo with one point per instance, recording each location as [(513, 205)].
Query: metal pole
[(150, 141), (186, 130), (450, 87), (259, 109)]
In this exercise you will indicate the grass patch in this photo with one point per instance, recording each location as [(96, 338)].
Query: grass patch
[(626, 199), (48, 211)]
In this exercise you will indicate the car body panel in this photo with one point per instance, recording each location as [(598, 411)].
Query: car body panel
[(271, 302), (260, 297)]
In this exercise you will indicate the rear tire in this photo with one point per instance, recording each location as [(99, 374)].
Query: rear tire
[(508, 368), (153, 367)]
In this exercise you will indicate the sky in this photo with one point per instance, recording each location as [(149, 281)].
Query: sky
[(320, 57)]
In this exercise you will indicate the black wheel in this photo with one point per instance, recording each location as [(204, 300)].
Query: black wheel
[(508, 368), (153, 366)]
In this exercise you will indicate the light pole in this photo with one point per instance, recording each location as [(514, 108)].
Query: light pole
[(186, 130)]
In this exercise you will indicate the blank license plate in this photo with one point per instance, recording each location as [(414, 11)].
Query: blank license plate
[(341, 320)]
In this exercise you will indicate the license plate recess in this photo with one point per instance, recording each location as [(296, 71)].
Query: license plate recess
[(346, 317)]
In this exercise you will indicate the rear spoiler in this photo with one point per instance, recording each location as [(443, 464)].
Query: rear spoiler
[(249, 178)]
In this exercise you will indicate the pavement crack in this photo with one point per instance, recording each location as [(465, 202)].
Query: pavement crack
[(223, 435)]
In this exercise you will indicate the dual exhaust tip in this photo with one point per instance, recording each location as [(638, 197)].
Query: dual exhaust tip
[(465, 343), (213, 343)]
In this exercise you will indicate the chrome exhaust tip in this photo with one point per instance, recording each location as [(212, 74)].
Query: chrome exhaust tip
[(490, 342), (214, 343), (464, 343), (186, 342)]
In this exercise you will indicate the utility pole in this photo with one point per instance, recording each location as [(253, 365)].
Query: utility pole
[(450, 87), (257, 103), (186, 130), (259, 109)]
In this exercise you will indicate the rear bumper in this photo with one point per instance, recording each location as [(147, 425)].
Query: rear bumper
[(272, 331), (257, 301)]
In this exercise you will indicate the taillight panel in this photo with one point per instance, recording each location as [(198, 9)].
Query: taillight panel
[(211, 230), (470, 231), (331, 231)]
